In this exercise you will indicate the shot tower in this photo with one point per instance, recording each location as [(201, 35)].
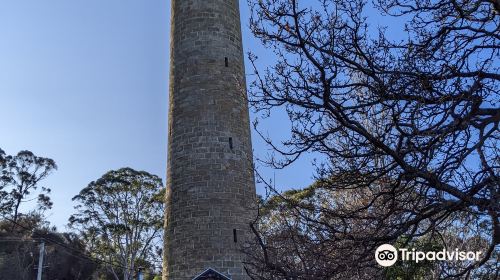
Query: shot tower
[(210, 185)]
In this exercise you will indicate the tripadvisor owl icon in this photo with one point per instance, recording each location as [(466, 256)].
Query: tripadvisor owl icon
[(386, 255)]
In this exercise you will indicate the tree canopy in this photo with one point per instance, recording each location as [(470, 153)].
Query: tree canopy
[(20, 176), (20, 246), (120, 218)]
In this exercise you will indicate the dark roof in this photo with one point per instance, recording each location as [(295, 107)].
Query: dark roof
[(211, 274)]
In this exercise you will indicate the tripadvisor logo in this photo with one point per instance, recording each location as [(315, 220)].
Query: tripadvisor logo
[(387, 255)]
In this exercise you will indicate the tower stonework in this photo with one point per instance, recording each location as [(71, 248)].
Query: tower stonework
[(210, 184)]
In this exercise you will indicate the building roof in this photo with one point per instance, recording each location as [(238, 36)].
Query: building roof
[(211, 274)]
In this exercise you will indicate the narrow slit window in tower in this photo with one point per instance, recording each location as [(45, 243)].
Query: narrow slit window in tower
[(226, 61), (231, 143), (235, 238)]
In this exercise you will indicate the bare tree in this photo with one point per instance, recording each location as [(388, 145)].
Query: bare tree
[(409, 125)]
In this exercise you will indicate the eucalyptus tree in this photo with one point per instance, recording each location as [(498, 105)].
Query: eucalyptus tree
[(20, 177), (4, 179), (120, 218)]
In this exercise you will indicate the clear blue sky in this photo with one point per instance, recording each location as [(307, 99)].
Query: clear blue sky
[(86, 84)]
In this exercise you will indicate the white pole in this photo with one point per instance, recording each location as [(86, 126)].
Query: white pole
[(40, 260)]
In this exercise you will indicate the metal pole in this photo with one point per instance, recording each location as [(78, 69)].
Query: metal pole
[(40, 260)]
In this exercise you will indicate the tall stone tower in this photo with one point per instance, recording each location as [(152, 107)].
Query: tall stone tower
[(210, 185)]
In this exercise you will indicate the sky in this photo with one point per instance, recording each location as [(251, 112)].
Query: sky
[(86, 84)]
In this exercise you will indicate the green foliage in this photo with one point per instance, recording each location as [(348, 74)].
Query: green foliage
[(20, 176), (120, 217), (19, 251), (4, 179)]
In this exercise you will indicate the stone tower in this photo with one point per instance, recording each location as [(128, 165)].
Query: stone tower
[(210, 185)]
